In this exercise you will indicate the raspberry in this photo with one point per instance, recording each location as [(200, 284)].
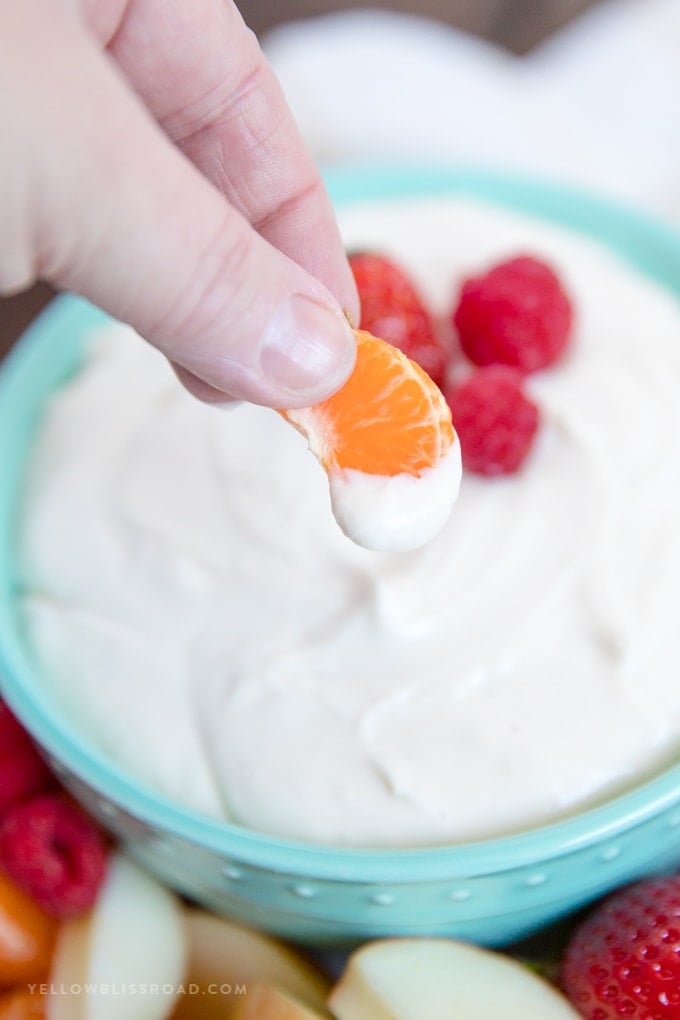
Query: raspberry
[(54, 852), (517, 314), (22, 770), (393, 309), (495, 421), (624, 960)]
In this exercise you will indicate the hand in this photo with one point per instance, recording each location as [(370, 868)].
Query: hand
[(148, 161)]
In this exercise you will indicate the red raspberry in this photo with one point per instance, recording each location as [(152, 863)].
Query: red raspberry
[(22, 770), (54, 852), (495, 421), (516, 314), (393, 309), (624, 960)]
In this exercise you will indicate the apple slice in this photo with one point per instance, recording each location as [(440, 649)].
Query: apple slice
[(66, 1000), (263, 1002), (226, 959), (126, 958), (427, 979)]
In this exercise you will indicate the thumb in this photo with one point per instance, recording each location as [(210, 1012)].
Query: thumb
[(117, 214)]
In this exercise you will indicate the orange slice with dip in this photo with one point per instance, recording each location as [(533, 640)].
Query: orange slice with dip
[(386, 441)]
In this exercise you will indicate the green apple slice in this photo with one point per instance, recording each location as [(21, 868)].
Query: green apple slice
[(226, 960), (66, 998), (126, 958), (431, 979), (263, 1002)]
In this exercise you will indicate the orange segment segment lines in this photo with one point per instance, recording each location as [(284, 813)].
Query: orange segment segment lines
[(388, 419)]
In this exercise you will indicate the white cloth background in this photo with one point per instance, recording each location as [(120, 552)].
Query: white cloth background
[(597, 105)]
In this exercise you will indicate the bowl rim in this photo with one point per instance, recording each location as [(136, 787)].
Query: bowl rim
[(650, 246)]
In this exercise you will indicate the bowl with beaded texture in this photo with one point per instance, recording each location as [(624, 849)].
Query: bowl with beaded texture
[(492, 891)]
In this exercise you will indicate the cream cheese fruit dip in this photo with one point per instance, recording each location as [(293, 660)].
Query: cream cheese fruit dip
[(396, 513), (194, 607)]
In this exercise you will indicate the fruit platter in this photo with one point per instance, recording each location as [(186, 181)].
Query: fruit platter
[(85, 933)]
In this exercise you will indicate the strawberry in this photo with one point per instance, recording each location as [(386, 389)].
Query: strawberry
[(393, 309), (624, 960)]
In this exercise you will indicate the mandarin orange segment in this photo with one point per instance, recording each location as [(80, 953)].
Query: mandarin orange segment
[(388, 419), (27, 936), (22, 1005)]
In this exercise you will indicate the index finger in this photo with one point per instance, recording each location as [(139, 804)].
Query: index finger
[(204, 77)]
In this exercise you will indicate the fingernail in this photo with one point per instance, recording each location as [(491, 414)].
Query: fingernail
[(308, 350)]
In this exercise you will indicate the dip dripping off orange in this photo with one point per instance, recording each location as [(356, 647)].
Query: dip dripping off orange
[(388, 419)]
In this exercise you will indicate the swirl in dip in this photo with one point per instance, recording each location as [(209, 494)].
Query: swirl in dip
[(193, 605)]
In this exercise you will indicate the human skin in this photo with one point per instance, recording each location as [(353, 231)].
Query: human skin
[(148, 161)]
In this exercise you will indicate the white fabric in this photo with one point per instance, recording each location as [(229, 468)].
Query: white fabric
[(596, 105)]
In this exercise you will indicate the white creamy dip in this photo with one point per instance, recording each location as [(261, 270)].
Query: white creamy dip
[(193, 604), (396, 513)]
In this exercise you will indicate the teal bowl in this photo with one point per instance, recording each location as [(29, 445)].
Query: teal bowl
[(491, 892)]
